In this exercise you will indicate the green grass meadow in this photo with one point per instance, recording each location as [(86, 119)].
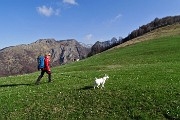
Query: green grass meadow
[(144, 84)]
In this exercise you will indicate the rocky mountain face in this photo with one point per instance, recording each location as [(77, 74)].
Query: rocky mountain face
[(22, 59), (102, 46)]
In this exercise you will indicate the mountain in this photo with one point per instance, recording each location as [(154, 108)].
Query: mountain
[(153, 25), (101, 46), (22, 59), (170, 30)]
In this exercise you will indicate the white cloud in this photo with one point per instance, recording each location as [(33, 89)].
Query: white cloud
[(72, 2), (88, 37), (116, 18), (55, 10), (43, 10)]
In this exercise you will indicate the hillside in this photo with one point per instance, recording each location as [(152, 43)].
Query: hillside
[(169, 30), (141, 31), (143, 84)]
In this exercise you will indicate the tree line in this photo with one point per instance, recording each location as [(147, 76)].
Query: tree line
[(156, 23)]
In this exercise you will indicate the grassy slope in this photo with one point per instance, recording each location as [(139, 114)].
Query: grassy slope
[(144, 84)]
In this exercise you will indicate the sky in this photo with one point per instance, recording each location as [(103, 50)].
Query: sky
[(87, 21)]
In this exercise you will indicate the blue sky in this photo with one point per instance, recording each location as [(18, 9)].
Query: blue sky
[(87, 21)]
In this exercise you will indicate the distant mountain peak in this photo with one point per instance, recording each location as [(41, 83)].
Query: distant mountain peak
[(46, 40), (86, 45)]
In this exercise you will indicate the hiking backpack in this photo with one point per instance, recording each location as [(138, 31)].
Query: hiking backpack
[(40, 62)]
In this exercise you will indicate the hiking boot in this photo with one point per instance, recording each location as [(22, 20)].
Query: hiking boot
[(36, 83)]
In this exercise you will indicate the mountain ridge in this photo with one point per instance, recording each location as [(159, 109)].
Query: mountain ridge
[(22, 58), (14, 59), (169, 30), (142, 30)]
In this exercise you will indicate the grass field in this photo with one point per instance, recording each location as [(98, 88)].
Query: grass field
[(144, 84)]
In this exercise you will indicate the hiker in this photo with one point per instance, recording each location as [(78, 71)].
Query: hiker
[(45, 68)]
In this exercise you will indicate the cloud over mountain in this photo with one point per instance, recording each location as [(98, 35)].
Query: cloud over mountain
[(88, 37)]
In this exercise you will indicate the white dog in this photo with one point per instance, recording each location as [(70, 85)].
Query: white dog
[(100, 81)]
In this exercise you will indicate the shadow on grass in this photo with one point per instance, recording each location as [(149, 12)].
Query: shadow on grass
[(169, 117), (87, 88), (14, 85)]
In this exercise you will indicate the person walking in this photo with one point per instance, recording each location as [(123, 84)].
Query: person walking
[(45, 69)]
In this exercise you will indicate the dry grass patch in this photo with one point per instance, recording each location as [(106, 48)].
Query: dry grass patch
[(158, 33)]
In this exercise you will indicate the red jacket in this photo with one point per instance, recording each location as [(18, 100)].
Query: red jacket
[(47, 63)]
